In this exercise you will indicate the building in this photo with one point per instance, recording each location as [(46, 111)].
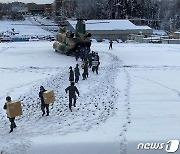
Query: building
[(48, 9), (112, 29), (36, 8), (175, 35), (59, 8)]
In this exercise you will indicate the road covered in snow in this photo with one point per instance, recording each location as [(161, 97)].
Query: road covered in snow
[(134, 99)]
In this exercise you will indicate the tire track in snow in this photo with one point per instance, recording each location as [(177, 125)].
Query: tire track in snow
[(151, 68), (5, 49), (29, 69), (158, 83)]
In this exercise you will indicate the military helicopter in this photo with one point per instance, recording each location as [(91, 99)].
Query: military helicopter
[(69, 42)]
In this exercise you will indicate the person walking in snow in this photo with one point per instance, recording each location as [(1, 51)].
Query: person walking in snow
[(95, 66), (72, 89), (71, 74), (12, 120), (90, 59), (96, 56), (110, 44), (77, 54), (77, 73), (85, 72), (95, 63), (43, 105)]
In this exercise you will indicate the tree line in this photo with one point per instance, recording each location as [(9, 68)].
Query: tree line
[(6, 11), (158, 14)]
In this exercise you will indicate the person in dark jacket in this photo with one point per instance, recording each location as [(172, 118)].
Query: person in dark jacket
[(72, 94), (110, 44), (85, 73), (71, 74), (43, 105), (96, 56), (77, 54), (90, 59), (77, 73), (95, 66), (12, 120)]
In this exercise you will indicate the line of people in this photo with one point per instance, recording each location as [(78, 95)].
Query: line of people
[(92, 62), (72, 89), (43, 107), (82, 53)]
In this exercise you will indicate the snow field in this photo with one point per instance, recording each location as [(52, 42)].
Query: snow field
[(134, 98)]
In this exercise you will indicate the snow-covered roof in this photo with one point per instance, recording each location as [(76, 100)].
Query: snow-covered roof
[(159, 32), (177, 32), (143, 27), (109, 25)]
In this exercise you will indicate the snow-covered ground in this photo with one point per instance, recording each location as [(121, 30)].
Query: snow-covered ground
[(31, 26), (134, 99)]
